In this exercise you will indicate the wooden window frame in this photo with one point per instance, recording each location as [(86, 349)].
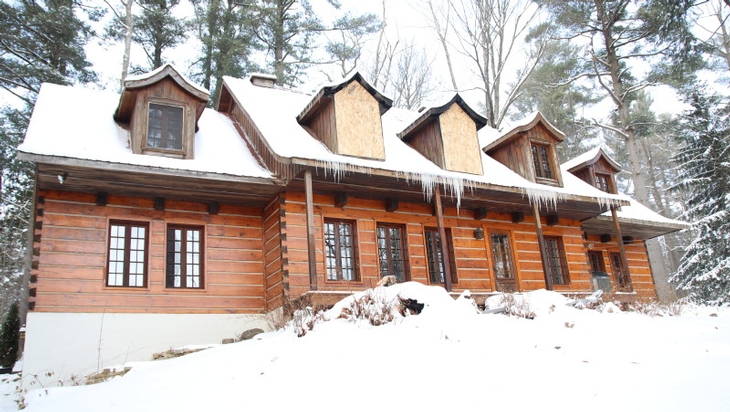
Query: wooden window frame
[(338, 270), (127, 254), (557, 261), (170, 264), (186, 143), (433, 244), (508, 253), (166, 109), (600, 178), (595, 258), (542, 157), (617, 269), (390, 260)]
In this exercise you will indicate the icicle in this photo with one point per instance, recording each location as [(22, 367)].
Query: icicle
[(547, 198)]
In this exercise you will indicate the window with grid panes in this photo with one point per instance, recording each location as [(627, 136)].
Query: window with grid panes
[(502, 256), (340, 252), (391, 254), (541, 160), (557, 265), (165, 127), (184, 257), (602, 182), (436, 269), (127, 259), (595, 258)]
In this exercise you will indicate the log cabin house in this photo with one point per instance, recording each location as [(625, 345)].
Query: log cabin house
[(160, 222)]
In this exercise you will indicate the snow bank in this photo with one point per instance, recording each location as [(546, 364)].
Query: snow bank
[(449, 357)]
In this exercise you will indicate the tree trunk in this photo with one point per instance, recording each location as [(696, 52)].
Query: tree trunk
[(441, 34), (129, 29)]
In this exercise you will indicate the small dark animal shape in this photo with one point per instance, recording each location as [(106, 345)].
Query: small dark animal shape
[(412, 305)]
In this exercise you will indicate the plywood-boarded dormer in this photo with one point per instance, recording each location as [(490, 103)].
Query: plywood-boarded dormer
[(447, 135), (161, 109), (346, 118), (596, 168), (529, 150)]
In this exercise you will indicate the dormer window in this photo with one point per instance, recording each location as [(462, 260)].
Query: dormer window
[(595, 168), (165, 127), (529, 150), (161, 110), (602, 182), (541, 160)]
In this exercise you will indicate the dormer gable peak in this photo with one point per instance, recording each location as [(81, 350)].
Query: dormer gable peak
[(589, 158), (430, 113), (329, 91), (134, 83), (522, 126)]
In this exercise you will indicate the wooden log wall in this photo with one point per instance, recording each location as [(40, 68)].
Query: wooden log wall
[(275, 254), (472, 256), (71, 268), (642, 279)]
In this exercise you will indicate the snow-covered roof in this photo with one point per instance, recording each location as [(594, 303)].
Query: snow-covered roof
[(590, 157), (635, 212), (491, 140), (274, 111), (638, 213), (72, 123), (146, 79)]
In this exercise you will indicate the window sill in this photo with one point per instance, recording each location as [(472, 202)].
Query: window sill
[(175, 154), (545, 181), (127, 288)]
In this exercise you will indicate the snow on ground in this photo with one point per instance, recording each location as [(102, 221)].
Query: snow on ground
[(449, 357)]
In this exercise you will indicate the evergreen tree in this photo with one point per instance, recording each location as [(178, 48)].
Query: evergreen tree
[(10, 337), (15, 205), (41, 41), (227, 42), (704, 159), (157, 29), (287, 30), (550, 90)]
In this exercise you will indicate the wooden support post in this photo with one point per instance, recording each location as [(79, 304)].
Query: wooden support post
[(442, 235), (625, 282), (541, 245), (312, 256)]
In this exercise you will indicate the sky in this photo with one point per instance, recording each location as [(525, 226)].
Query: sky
[(406, 21), (448, 357)]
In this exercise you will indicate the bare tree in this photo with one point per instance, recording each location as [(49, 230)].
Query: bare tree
[(490, 33), (439, 19), (412, 79), (718, 34), (380, 67)]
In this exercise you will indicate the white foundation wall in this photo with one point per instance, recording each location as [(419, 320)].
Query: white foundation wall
[(60, 347)]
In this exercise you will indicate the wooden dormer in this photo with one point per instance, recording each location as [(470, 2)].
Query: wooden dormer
[(596, 168), (447, 135), (346, 118), (529, 150), (161, 110)]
